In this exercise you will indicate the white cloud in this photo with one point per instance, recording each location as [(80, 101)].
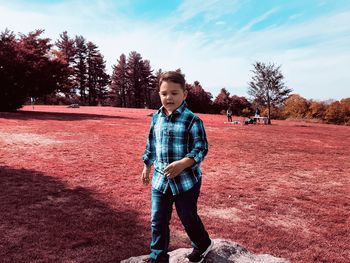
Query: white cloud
[(220, 23), (295, 16), (211, 8), (258, 20)]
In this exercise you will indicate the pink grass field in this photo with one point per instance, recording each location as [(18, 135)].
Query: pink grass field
[(70, 188)]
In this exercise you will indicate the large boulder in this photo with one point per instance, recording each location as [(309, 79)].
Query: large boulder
[(224, 251)]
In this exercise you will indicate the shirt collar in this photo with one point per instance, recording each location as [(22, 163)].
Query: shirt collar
[(178, 111)]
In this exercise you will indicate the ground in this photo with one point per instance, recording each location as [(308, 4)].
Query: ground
[(71, 190)]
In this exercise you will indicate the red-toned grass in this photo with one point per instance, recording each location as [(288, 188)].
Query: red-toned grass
[(70, 188)]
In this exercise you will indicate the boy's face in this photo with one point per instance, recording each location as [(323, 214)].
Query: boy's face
[(171, 95)]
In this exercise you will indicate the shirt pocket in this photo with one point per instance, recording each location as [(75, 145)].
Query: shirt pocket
[(178, 134)]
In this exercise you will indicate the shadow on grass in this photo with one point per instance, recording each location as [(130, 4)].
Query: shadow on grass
[(59, 116), (42, 220)]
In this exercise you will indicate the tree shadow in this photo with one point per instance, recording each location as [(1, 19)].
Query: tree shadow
[(43, 220), (58, 116)]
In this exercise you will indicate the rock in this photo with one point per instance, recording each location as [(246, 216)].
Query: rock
[(224, 251)]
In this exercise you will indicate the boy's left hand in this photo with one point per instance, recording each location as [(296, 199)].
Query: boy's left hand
[(174, 169)]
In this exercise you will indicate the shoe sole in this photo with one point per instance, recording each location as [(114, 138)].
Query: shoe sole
[(204, 254)]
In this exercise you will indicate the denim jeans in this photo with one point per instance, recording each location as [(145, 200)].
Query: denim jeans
[(186, 208)]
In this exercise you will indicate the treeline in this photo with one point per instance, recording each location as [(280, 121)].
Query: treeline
[(336, 112), (73, 70)]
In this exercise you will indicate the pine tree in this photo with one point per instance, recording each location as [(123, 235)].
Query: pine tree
[(103, 79), (97, 79), (147, 82), (80, 67), (134, 76), (67, 46), (155, 102), (91, 61), (67, 51), (133, 83), (119, 82)]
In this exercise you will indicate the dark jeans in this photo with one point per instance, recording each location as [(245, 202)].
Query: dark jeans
[(186, 208)]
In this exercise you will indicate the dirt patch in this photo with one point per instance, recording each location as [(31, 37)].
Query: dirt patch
[(289, 223), (231, 213), (27, 138)]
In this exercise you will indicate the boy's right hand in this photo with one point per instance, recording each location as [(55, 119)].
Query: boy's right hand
[(145, 174)]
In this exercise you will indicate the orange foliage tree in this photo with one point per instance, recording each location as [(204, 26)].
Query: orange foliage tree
[(338, 112), (296, 107), (317, 110)]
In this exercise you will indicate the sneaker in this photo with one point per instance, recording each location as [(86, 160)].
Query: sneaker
[(197, 255), (148, 260), (160, 260)]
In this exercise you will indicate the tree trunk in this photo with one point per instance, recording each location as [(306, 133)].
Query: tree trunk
[(268, 108)]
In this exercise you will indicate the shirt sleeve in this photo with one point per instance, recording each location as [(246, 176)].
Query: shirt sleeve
[(149, 154), (199, 139)]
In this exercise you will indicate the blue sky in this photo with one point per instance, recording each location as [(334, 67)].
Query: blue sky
[(214, 42)]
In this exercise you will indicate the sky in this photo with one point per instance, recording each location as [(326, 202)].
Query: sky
[(213, 41)]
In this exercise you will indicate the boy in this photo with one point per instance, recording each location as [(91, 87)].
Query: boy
[(176, 145)]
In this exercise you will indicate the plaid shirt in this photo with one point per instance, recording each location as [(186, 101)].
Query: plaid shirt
[(170, 139)]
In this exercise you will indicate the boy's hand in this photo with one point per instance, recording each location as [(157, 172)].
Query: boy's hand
[(145, 174), (175, 168)]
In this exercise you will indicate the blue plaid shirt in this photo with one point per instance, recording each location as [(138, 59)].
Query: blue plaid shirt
[(170, 139)]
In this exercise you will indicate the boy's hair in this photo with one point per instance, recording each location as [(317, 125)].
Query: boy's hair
[(173, 76)]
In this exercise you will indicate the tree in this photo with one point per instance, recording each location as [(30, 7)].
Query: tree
[(338, 112), (316, 110), (134, 91), (97, 79), (267, 87), (80, 67), (67, 52), (345, 105), (147, 82), (12, 89), (133, 84), (296, 106), (222, 100), (198, 99), (155, 102), (238, 104), (67, 46), (28, 68), (119, 82), (334, 113), (140, 81), (102, 79)]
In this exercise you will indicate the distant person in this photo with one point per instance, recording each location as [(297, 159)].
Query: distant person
[(257, 112), (257, 115), (177, 176), (229, 114), (32, 102)]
